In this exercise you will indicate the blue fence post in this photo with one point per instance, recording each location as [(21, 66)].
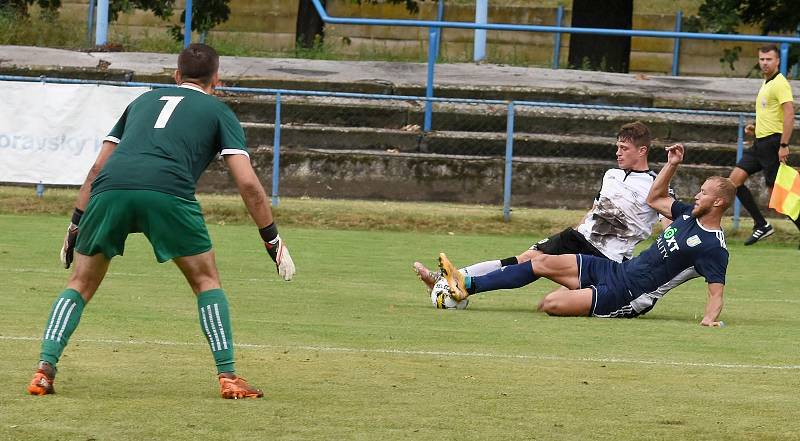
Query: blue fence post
[(433, 53), (676, 46), (439, 17), (187, 25), (557, 41), (479, 39), (509, 156), (426, 126), (737, 206), (276, 150), (90, 22), (101, 32), (784, 58)]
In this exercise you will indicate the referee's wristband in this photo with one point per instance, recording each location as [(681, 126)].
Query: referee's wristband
[(268, 233), (783, 144)]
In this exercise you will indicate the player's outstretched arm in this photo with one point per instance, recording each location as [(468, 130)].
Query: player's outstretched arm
[(713, 305), (659, 198), (68, 246), (255, 199)]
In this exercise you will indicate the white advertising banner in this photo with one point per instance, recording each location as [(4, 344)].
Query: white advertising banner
[(51, 133)]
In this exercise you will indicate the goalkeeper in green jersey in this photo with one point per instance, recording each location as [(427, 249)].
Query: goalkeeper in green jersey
[(143, 180)]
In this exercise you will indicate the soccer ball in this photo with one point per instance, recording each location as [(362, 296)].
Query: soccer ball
[(440, 297)]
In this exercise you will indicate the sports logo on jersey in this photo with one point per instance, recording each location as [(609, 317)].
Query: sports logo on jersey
[(667, 241), (686, 216), (693, 241)]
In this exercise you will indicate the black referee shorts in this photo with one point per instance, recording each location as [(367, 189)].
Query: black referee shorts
[(568, 241), (762, 156)]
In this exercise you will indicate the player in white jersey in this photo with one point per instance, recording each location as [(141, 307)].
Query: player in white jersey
[(618, 220)]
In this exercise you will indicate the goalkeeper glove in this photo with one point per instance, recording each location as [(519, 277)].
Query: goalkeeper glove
[(277, 251), (68, 248)]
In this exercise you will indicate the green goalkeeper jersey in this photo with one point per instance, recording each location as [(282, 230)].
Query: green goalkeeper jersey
[(165, 140)]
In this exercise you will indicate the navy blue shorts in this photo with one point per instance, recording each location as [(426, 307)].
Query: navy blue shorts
[(610, 297)]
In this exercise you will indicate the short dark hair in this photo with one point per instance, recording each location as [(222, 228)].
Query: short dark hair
[(770, 47), (198, 62), (635, 132), (725, 189)]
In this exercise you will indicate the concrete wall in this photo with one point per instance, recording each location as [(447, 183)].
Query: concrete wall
[(269, 25), (539, 183)]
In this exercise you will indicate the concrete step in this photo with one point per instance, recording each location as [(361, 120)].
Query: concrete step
[(381, 175), (396, 114), (483, 144)]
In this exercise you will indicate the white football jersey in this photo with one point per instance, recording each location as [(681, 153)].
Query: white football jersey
[(620, 217)]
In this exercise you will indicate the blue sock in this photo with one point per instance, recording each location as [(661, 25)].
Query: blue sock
[(507, 277)]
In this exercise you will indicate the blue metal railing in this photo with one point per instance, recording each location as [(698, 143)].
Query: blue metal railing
[(557, 41), (187, 24), (784, 41), (676, 45), (511, 106), (101, 33), (553, 29)]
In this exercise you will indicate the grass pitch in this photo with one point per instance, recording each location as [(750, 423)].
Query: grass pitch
[(353, 349)]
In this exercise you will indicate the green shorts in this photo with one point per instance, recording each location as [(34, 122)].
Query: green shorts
[(174, 226)]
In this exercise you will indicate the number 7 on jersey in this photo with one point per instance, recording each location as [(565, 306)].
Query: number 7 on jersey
[(166, 112)]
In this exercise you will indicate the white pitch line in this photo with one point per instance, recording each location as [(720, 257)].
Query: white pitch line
[(120, 273), (438, 353), (228, 277)]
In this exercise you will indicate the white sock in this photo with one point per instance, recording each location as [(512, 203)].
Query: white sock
[(481, 268)]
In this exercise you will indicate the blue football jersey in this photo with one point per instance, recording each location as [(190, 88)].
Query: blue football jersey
[(685, 243)]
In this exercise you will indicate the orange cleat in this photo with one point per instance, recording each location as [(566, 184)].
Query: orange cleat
[(455, 280), (234, 387), (42, 381)]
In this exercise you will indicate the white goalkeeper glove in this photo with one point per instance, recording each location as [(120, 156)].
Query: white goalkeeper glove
[(277, 251), (280, 255), (68, 247)]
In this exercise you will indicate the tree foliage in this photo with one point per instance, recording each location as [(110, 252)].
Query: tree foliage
[(310, 29), (412, 6), (725, 17), (769, 15), (20, 7), (205, 13)]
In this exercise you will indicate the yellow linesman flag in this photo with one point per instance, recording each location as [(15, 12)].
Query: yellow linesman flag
[(786, 192)]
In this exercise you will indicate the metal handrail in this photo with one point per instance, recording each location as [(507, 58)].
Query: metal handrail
[(553, 29), (356, 95)]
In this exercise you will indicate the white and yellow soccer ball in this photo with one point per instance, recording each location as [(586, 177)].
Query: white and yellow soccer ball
[(441, 299)]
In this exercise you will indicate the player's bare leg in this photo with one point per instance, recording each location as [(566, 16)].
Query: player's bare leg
[(528, 255), (566, 302), (427, 276), (88, 272), (562, 269), (201, 272)]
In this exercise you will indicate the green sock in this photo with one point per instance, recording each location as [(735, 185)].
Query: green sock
[(63, 319), (215, 321)]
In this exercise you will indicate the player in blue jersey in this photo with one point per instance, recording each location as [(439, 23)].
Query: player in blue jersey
[(603, 288)]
